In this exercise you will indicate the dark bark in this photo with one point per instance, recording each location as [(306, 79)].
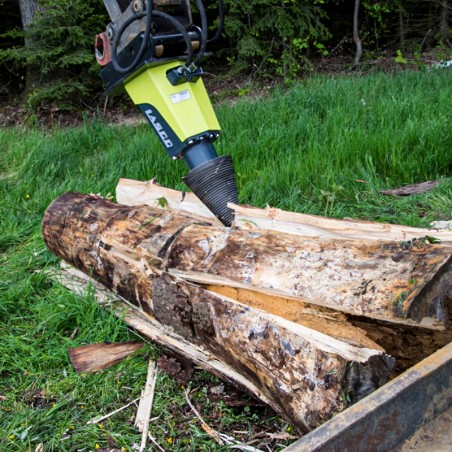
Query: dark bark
[(356, 38), (28, 10), (444, 28)]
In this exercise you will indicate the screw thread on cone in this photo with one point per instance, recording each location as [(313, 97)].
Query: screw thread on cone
[(214, 184)]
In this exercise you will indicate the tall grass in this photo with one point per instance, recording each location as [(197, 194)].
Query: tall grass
[(326, 146)]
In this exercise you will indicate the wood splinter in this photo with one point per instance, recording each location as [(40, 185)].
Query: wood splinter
[(94, 357)]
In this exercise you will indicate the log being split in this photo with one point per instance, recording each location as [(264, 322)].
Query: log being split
[(381, 271), (303, 373)]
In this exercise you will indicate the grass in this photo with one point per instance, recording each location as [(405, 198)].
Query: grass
[(326, 146)]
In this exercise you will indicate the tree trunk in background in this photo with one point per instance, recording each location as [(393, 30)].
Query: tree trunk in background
[(444, 33), (28, 10), (401, 12), (356, 39)]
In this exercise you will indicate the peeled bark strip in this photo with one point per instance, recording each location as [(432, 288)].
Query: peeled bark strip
[(304, 374)]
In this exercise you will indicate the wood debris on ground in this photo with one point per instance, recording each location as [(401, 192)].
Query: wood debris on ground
[(145, 406), (412, 189), (94, 357)]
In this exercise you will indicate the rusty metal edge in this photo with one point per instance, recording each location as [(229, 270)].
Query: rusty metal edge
[(388, 416)]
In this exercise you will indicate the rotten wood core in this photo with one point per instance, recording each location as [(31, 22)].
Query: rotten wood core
[(306, 374)]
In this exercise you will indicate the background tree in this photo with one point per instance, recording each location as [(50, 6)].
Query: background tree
[(58, 39), (275, 36), (48, 43), (356, 38)]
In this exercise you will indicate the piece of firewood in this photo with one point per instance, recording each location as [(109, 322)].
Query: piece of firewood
[(399, 282), (135, 193), (94, 357), (247, 217), (303, 374)]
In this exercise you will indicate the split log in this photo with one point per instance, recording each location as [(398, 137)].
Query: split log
[(304, 374), (133, 193), (406, 282)]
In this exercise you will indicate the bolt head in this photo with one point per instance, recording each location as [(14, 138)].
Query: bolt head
[(138, 6), (110, 32)]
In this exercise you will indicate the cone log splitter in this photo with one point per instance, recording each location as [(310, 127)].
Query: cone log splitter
[(151, 50)]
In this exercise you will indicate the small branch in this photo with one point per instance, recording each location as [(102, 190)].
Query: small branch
[(412, 189), (209, 430), (155, 442), (98, 419), (220, 438)]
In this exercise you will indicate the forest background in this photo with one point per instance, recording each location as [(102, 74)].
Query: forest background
[(47, 59)]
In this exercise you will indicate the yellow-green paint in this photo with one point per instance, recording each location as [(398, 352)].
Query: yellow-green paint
[(188, 117)]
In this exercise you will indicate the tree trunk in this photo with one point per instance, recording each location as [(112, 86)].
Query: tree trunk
[(444, 29), (28, 10), (401, 12), (356, 38), (307, 369)]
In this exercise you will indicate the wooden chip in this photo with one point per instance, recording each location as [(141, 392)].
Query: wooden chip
[(95, 357)]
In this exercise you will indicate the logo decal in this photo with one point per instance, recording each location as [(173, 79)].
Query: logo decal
[(158, 128)]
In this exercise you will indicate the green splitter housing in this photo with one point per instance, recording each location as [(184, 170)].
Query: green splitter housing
[(159, 72), (181, 115)]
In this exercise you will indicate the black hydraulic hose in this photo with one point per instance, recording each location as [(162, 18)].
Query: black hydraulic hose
[(147, 32), (144, 43), (202, 48), (220, 28), (182, 31)]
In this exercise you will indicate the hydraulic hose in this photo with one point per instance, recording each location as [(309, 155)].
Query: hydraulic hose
[(182, 31), (147, 32), (202, 48), (144, 43), (220, 28)]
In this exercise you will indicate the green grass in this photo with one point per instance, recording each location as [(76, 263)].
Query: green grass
[(326, 146)]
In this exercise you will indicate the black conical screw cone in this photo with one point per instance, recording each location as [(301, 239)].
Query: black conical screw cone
[(213, 183)]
